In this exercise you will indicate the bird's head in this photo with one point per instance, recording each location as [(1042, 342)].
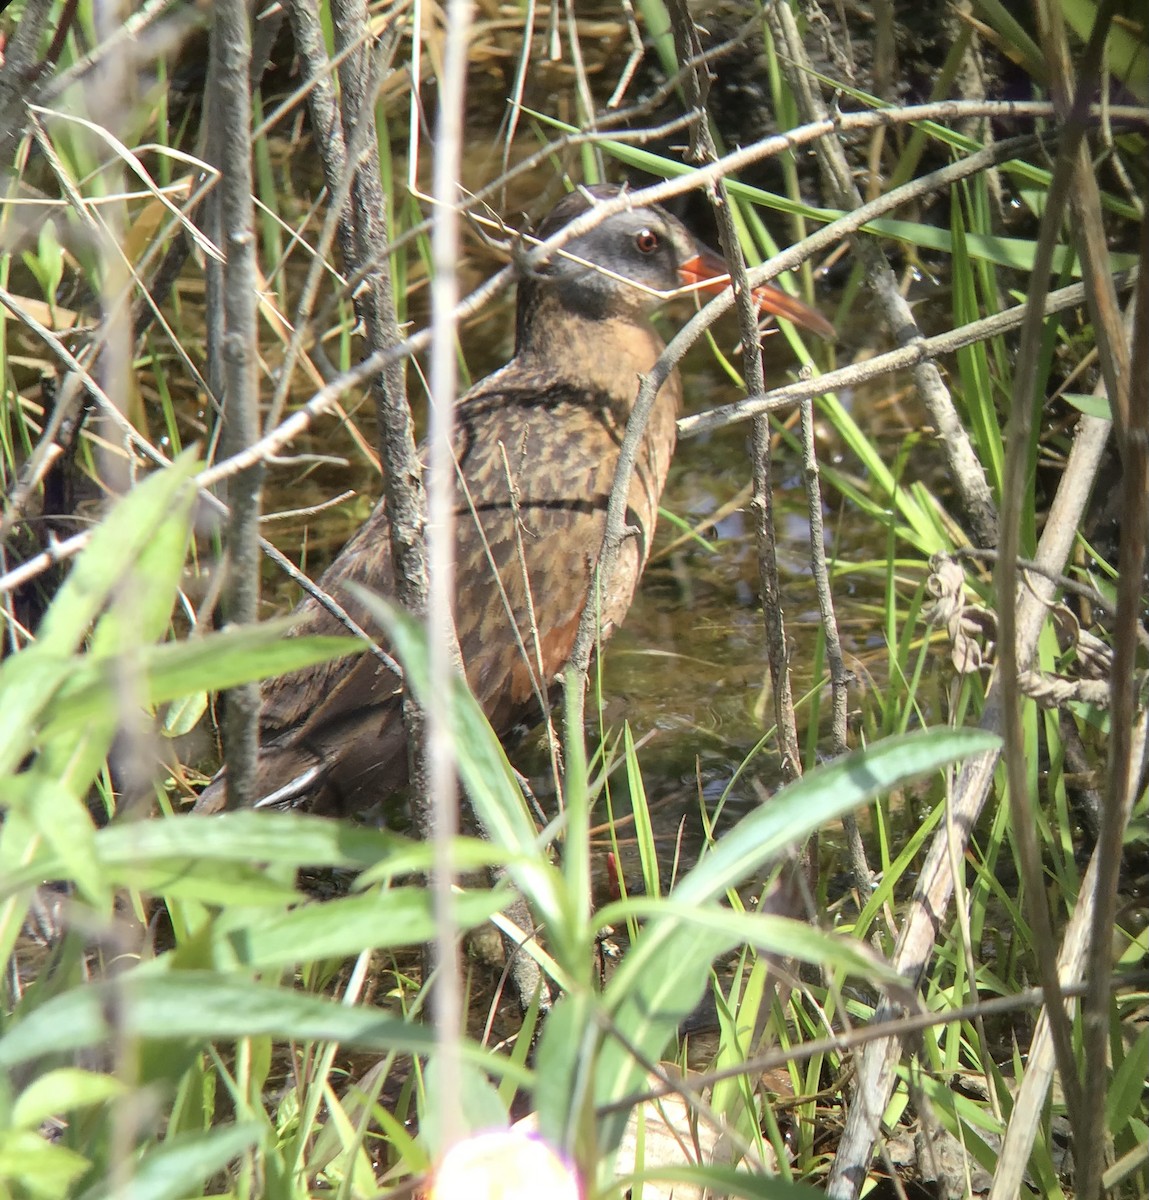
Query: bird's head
[(633, 261)]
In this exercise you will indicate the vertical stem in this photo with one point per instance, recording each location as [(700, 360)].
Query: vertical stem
[(1120, 792), (839, 678), (1070, 94), (689, 49), (229, 130), (1067, 178), (440, 749), (108, 91), (375, 304), (762, 506)]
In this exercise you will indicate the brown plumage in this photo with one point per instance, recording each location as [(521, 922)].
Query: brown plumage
[(543, 432)]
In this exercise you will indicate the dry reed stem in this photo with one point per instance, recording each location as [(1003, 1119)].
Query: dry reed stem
[(439, 806), (1065, 182), (1131, 427)]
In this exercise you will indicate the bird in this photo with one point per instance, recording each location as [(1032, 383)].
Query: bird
[(536, 445)]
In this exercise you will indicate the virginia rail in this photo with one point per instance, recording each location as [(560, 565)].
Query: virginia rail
[(540, 438)]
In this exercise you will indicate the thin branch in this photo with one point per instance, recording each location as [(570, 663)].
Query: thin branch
[(688, 47), (839, 676), (375, 303), (324, 400), (770, 147)]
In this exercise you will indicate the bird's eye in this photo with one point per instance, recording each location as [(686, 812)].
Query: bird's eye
[(647, 241)]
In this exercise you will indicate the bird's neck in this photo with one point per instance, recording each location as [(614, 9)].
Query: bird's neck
[(606, 356)]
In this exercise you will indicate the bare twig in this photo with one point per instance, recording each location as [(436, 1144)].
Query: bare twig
[(402, 480), (689, 48), (769, 147), (338, 175), (881, 364), (18, 71), (692, 426), (69, 400)]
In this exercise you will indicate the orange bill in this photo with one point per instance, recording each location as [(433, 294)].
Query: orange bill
[(707, 272)]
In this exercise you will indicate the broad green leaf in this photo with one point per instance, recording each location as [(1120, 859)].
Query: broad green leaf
[(766, 932), (477, 1102), (144, 532), (824, 795), (285, 840), (402, 916), (482, 763), (184, 714), (119, 540), (1090, 404), (566, 1063), (139, 612), (38, 1167), (62, 1091), (203, 1006), (288, 839), (145, 590), (1126, 54), (719, 1180), (62, 821), (183, 878), (182, 1165), (214, 662), (1127, 1089), (28, 681)]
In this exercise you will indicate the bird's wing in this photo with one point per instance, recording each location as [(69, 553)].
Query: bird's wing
[(294, 701)]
